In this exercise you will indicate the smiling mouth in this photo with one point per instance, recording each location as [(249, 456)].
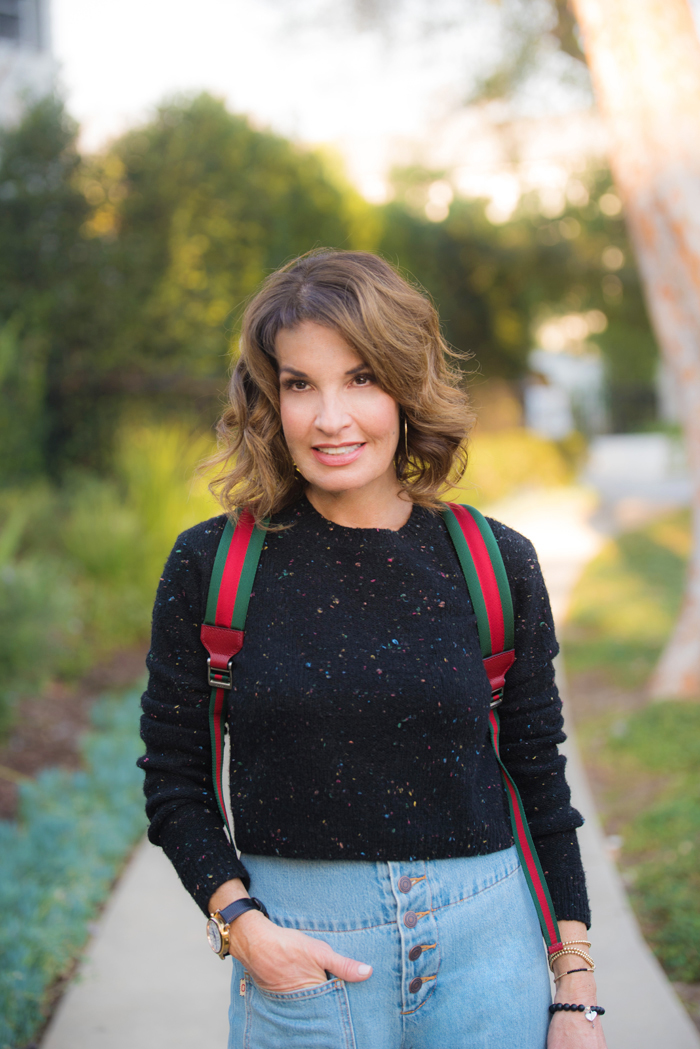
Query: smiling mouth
[(334, 449)]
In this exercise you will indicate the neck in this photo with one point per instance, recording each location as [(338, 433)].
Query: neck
[(388, 507)]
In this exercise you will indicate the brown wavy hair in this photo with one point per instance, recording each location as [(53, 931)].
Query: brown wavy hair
[(393, 327)]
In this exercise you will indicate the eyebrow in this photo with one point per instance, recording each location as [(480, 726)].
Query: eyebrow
[(303, 375)]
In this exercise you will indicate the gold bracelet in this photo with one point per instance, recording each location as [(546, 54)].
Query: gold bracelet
[(571, 971), (568, 943), (571, 950)]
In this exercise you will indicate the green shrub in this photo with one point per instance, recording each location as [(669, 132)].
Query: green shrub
[(39, 605), (39, 624), (59, 859), (79, 566)]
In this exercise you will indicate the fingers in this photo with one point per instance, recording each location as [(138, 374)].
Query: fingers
[(344, 968)]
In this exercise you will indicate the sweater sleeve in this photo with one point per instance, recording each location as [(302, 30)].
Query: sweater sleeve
[(532, 727), (180, 799)]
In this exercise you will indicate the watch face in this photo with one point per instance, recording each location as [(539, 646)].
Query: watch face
[(214, 936)]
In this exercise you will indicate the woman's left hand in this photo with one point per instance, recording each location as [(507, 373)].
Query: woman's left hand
[(571, 1030), (574, 1031)]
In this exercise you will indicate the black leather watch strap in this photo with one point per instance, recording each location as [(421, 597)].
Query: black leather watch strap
[(239, 907)]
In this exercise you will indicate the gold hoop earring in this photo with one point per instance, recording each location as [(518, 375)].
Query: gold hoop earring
[(405, 436)]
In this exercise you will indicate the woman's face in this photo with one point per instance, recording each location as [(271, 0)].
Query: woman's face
[(340, 427)]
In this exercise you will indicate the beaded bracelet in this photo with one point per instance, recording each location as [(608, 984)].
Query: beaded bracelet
[(572, 950), (589, 1011), (568, 943)]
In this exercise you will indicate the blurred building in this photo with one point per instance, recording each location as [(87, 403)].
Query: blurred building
[(27, 66), (564, 392)]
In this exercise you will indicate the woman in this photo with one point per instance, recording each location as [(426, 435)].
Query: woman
[(367, 801)]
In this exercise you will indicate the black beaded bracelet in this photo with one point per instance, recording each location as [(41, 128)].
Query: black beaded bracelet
[(589, 1011)]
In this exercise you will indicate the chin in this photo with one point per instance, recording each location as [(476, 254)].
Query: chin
[(338, 481)]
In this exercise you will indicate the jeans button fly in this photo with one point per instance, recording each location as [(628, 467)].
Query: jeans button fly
[(410, 919), (415, 985), (405, 884)]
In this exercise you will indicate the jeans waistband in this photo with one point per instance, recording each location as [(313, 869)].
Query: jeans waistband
[(342, 895)]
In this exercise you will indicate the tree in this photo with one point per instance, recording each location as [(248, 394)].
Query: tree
[(196, 207), (644, 58), (121, 274), (49, 283)]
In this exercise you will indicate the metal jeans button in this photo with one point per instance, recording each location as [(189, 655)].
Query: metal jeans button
[(410, 919), (415, 953), (415, 985), (405, 883)]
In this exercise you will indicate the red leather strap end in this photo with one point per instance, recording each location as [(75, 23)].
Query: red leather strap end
[(222, 643), (497, 667), (554, 947)]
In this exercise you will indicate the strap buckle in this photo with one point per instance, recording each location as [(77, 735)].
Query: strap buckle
[(218, 677), (496, 698)]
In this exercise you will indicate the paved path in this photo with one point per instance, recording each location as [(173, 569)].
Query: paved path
[(149, 980)]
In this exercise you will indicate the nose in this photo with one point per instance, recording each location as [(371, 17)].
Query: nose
[(331, 416)]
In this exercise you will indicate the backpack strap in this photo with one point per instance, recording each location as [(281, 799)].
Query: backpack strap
[(485, 575), (223, 632), (223, 629)]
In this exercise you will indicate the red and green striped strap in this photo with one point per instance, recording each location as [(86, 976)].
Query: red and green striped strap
[(482, 564), (223, 629)]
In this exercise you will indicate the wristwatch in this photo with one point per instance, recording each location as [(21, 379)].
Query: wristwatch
[(220, 922)]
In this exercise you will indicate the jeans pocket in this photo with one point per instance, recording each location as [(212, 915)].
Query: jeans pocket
[(312, 1018)]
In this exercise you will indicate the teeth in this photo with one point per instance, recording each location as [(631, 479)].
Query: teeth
[(345, 450)]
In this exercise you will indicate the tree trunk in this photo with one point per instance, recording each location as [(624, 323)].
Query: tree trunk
[(644, 57)]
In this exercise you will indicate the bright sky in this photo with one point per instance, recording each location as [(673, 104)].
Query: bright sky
[(323, 85)]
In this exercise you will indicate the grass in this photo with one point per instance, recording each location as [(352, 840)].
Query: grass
[(624, 607), (646, 758), (58, 861)]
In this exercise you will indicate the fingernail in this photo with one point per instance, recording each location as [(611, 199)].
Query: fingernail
[(362, 970)]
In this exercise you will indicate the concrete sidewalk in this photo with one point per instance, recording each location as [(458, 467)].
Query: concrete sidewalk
[(149, 980)]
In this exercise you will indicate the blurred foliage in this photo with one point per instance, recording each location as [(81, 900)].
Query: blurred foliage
[(503, 461), (201, 207), (121, 274), (494, 284), (49, 295), (58, 862), (82, 562), (622, 612)]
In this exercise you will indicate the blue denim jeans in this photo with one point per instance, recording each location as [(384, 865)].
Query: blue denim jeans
[(455, 946)]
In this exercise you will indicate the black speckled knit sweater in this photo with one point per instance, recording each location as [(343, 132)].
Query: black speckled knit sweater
[(359, 708)]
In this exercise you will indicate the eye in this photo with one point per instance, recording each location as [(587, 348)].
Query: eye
[(363, 379), (294, 384)]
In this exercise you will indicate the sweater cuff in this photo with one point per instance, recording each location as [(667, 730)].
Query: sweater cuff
[(203, 861), (560, 857)]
